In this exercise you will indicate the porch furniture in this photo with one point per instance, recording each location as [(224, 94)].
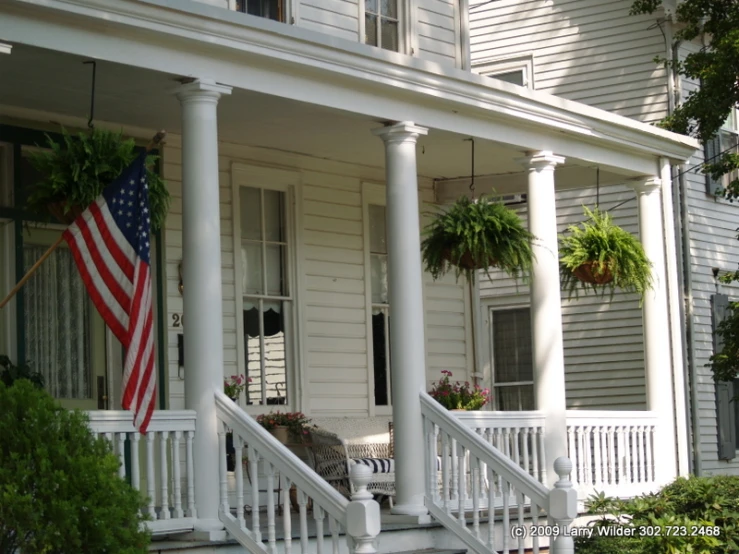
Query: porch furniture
[(334, 457)]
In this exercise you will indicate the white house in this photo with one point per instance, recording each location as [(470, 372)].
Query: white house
[(303, 143), (598, 54)]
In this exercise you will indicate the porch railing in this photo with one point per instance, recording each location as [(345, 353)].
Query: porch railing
[(497, 485), (612, 451), (275, 470), (159, 464)]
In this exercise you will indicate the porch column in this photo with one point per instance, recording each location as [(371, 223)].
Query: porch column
[(656, 329), (546, 308), (405, 284), (201, 255)]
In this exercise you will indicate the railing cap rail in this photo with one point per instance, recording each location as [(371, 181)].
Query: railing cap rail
[(610, 417), (121, 421), (484, 418)]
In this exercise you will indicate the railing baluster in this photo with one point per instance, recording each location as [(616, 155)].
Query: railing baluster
[(597, 445), (177, 475), (491, 509), (191, 509), (462, 477), (445, 461), (286, 519), (223, 469), (269, 472), (535, 523), (333, 525), (622, 459), (611, 457), (434, 463), (254, 475), (150, 476), (542, 455), (455, 473), (581, 457), (121, 451), (318, 515), (238, 443), (525, 447), (521, 503), (302, 510), (506, 515), (135, 468), (164, 512), (535, 453), (475, 477), (516, 448), (651, 454), (640, 451)]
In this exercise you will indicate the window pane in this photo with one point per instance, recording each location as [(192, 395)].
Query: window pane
[(512, 346), (389, 8), (378, 242), (251, 268), (274, 219), (251, 213), (379, 359), (57, 320), (515, 77), (515, 398), (276, 282), (370, 6), (370, 29), (267, 369), (389, 35), (378, 270)]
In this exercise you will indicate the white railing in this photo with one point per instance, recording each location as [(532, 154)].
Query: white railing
[(518, 435), (612, 451), (159, 464), (498, 486), (275, 469)]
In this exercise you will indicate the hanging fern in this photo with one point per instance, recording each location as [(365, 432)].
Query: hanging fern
[(76, 170), (614, 256), (477, 235)]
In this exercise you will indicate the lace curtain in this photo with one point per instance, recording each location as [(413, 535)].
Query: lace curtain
[(57, 311)]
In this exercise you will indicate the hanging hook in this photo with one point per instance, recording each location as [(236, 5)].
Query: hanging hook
[(597, 187), (92, 94), (472, 180)]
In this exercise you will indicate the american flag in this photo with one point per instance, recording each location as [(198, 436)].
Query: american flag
[(110, 242)]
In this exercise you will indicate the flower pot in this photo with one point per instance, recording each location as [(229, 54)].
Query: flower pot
[(281, 433), (466, 261), (56, 209), (587, 273)]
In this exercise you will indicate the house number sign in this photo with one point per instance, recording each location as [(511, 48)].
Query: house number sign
[(178, 320)]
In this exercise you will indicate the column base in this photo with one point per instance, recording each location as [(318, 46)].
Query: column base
[(422, 519), (414, 510)]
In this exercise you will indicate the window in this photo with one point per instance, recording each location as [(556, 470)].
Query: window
[(726, 140), (266, 291), (380, 305), (269, 9), (381, 24), (518, 70), (513, 368)]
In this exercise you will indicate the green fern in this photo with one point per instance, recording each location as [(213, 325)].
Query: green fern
[(615, 250), (76, 170), (484, 232)]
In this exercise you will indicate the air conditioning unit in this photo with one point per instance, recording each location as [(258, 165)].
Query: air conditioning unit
[(511, 199)]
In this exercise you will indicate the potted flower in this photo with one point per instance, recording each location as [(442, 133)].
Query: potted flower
[(235, 385), (286, 427), (75, 171), (598, 253), (459, 396), (472, 235)]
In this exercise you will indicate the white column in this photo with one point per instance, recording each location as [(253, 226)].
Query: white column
[(201, 254), (656, 329), (546, 308), (405, 284)]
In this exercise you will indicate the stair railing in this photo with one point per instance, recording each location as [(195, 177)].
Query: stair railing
[(467, 474)]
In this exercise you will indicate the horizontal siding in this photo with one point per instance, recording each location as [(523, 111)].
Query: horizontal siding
[(591, 51), (436, 28), (603, 342), (339, 18)]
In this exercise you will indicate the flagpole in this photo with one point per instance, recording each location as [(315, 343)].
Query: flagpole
[(155, 140)]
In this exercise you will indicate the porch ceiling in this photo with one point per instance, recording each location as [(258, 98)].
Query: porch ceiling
[(55, 82)]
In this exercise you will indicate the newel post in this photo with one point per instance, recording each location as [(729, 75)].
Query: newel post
[(362, 513), (563, 507)]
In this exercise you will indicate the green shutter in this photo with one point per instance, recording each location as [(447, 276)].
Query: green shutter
[(711, 149), (725, 416)]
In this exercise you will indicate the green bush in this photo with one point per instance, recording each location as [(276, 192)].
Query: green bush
[(10, 373), (59, 486), (697, 515)]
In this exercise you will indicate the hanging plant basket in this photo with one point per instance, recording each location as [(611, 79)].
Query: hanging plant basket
[(599, 255), (470, 236), (77, 169)]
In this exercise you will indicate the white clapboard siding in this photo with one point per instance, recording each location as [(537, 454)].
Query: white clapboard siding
[(339, 18), (591, 51), (603, 343), (437, 31)]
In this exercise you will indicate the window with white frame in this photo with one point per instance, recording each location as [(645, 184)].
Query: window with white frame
[(513, 368), (382, 23), (380, 305), (725, 141), (269, 9), (517, 70), (267, 293)]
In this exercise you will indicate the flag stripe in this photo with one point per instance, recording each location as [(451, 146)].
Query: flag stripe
[(119, 247), (138, 324)]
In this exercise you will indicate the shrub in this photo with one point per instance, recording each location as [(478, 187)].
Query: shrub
[(704, 509), (10, 373), (59, 486)]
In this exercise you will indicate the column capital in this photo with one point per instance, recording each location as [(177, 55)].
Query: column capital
[(201, 89), (543, 159), (646, 185), (404, 131)]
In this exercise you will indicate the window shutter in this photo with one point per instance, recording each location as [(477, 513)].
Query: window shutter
[(711, 149), (725, 408)]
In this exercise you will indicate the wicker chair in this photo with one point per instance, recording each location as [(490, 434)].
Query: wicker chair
[(334, 456)]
